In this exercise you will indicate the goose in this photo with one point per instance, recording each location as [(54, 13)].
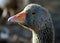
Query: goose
[(38, 20)]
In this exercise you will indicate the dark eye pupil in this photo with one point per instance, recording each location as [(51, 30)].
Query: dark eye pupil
[(33, 12)]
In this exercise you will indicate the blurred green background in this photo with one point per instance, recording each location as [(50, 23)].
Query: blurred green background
[(11, 32)]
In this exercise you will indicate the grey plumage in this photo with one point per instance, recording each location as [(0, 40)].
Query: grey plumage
[(40, 22)]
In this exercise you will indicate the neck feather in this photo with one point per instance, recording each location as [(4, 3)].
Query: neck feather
[(35, 37)]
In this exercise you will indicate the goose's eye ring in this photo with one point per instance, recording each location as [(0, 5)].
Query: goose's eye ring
[(33, 13)]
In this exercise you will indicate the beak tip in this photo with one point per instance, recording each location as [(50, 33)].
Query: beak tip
[(10, 19)]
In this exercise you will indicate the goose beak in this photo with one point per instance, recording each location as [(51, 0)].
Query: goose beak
[(19, 18)]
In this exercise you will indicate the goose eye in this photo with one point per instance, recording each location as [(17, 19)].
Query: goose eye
[(33, 13)]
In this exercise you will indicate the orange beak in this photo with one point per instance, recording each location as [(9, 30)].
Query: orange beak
[(19, 18)]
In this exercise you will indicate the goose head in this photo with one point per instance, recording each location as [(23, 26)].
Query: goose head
[(33, 16), (38, 19)]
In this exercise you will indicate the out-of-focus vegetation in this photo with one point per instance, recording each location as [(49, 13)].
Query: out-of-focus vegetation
[(11, 32)]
